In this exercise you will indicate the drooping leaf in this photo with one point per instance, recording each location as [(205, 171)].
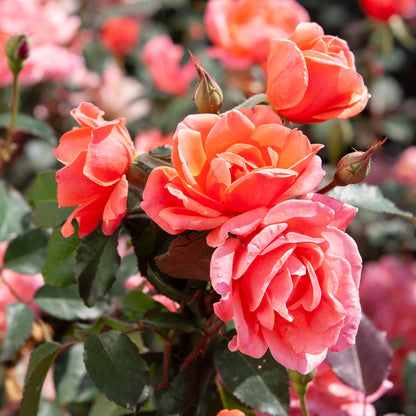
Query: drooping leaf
[(117, 369), (26, 253), (369, 197), (73, 385), (60, 259), (96, 264), (43, 195), (65, 303), (410, 376), (261, 384), (14, 213), (189, 257), (29, 124), (365, 365), (19, 326), (40, 361)]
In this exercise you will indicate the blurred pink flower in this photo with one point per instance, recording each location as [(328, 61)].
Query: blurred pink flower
[(404, 168), (23, 285), (51, 29), (388, 297), (162, 59), (117, 94), (241, 29), (148, 140), (328, 396)]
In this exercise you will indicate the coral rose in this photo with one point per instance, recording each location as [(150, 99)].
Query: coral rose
[(240, 29), (290, 283), (384, 9), (120, 34), (404, 168), (96, 157), (227, 165), (311, 77), (162, 58)]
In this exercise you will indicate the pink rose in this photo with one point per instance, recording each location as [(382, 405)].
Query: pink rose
[(234, 412), (162, 58), (311, 77), (226, 165), (388, 289), (289, 279), (240, 29)]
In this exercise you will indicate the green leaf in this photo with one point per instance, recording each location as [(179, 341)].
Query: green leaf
[(26, 253), (369, 197), (31, 125), (65, 303), (60, 259), (136, 303), (96, 264), (170, 320), (50, 409), (14, 212), (43, 195), (261, 384), (104, 407), (117, 369), (19, 326), (40, 361), (73, 385)]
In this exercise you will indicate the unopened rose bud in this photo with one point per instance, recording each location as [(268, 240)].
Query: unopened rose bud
[(17, 50), (354, 167), (208, 94)]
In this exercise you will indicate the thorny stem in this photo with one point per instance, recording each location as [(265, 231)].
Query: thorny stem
[(202, 343), (167, 355)]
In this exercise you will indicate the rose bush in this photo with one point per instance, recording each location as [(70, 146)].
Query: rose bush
[(227, 165), (384, 9), (241, 29), (291, 283), (311, 77), (96, 157)]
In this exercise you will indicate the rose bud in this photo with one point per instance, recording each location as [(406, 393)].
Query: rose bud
[(208, 95), (355, 167), (17, 50)]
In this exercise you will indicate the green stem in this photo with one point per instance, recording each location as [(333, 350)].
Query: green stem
[(251, 102), (221, 393), (303, 405), (15, 109)]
